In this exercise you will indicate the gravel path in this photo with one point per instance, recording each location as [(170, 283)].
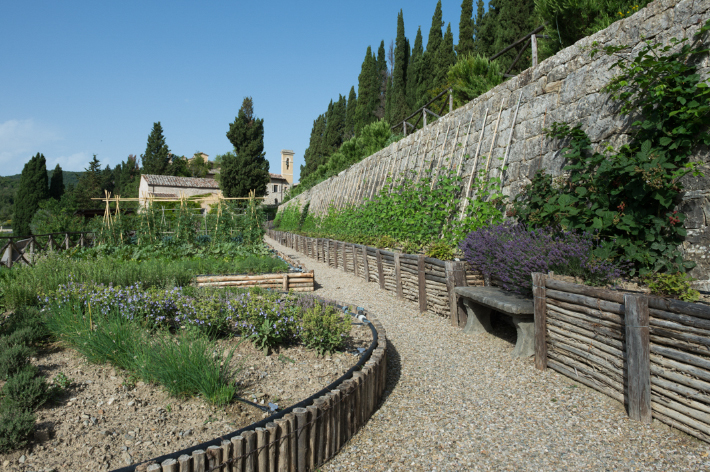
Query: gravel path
[(457, 402)]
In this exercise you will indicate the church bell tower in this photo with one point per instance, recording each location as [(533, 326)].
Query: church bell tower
[(287, 165)]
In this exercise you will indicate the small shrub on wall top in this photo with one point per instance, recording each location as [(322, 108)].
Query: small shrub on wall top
[(510, 253)]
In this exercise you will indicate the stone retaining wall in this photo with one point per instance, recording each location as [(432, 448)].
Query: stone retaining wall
[(564, 88)]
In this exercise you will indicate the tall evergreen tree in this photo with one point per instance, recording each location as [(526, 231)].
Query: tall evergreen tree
[(126, 176), (445, 57), (314, 156), (89, 186), (504, 23), (398, 108), (56, 184), (350, 115), (247, 168), (429, 58), (466, 29), (414, 71), (33, 188), (381, 78), (107, 179), (335, 126), (156, 159), (368, 91), (478, 47)]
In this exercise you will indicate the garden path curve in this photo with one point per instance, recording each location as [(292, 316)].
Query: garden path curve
[(456, 402)]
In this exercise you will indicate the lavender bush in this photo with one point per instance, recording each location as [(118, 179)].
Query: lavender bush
[(511, 252)]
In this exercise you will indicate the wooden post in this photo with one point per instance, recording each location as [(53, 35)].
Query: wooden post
[(539, 294), (638, 358), (214, 456), (398, 275), (285, 283), (424, 115), (237, 452), (404, 127), (380, 272), (302, 435), (283, 443), (336, 415), (198, 461), (455, 277), (421, 269), (249, 451), (185, 463), (66, 241), (169, 465), (345, 260), (314, 423), (321, 431), (356, 269), (533, 40), (271, 428), (365, 263), (335, 253), (451, 101)]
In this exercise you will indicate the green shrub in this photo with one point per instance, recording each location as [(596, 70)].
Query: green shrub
[(472, 76), (673, 285), (409, 247), (16, 427), (440, 250), (26, 389), (13, 357), (325, 329)]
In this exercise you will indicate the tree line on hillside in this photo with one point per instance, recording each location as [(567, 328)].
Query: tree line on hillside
[(394, 83), (47, 205)]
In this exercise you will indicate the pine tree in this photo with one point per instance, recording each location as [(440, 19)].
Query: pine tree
[(156, 159), (89, 186), (33, 188), (381, 76), (246, 169), (466, 29), (56, 184), (414, 71), (107, 180), (368, 91), (480, 12), (350, 117), (446, 57), (398, 108)]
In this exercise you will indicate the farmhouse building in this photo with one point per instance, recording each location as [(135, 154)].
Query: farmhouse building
[(167, 186)]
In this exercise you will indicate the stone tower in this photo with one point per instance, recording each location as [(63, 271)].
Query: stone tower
[(287, 165)]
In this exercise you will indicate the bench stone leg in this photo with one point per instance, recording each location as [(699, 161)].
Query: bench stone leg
[(525, 344), (479, 318)]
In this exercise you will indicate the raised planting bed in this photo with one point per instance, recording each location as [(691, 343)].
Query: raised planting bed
[(651, 353), (297, 282), (109, 418)]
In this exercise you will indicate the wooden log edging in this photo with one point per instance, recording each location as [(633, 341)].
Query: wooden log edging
[(651, 353), (415, 277), (301, 437)]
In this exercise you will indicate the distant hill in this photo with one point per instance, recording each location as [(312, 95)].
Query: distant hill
[(8, 190)]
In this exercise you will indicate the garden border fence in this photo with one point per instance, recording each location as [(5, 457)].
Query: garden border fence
[(24, 249)]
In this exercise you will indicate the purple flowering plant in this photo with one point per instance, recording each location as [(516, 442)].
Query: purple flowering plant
[(511, 252)]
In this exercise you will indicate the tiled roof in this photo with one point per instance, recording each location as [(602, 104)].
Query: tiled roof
[(276, 176), (162, 195), (171, 181)]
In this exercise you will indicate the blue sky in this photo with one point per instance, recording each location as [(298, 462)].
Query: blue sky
[(82, 78)]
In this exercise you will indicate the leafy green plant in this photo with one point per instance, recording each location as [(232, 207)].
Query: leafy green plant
[(62, 381), (627, 197), (471, 76), (13, 357), (440, 250), (673, 285), (409, 247), (325, 329)]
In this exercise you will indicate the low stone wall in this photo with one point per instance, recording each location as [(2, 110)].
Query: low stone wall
[(300, 438), (650, 353), (563, 88)]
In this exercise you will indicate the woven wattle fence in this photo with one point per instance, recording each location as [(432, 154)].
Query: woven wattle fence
[(425, 280), (652, 354)]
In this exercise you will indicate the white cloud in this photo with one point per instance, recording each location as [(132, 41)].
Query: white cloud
[(20, 140), (76, 162)]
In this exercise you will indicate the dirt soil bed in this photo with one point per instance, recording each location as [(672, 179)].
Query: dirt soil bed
[(105, 421)]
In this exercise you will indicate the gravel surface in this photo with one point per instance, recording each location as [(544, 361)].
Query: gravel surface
[(458, 402)]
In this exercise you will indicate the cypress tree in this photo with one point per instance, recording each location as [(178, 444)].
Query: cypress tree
[(514, 19), (414, 71), (478, 46), (398, 108), (89, 186), (368, 89), (314, 155), (466, 29), (125, 175), (381, 76), (247, 168), (446, 57), (350, 115), (33, 188), (335, 125), (157, 155), (429, 58), (56, 184), (107, 179)]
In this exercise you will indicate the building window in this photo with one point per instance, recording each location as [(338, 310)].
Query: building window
[(276, 188), (287, 163)]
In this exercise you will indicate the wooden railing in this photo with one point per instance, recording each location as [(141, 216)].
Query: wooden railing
[(23, 250)]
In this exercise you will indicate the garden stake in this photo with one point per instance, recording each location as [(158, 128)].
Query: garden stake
[(409, 150), (453, 148), (500, 112), (468, 133), (419, 174), (475, 163), (510, 139), (438, 163)]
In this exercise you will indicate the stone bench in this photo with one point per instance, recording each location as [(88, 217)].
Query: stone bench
[(479, 301)]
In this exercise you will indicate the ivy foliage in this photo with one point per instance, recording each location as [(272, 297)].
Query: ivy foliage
[(628, 196)]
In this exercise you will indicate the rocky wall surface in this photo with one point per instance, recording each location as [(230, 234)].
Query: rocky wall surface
[(563, 88)]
